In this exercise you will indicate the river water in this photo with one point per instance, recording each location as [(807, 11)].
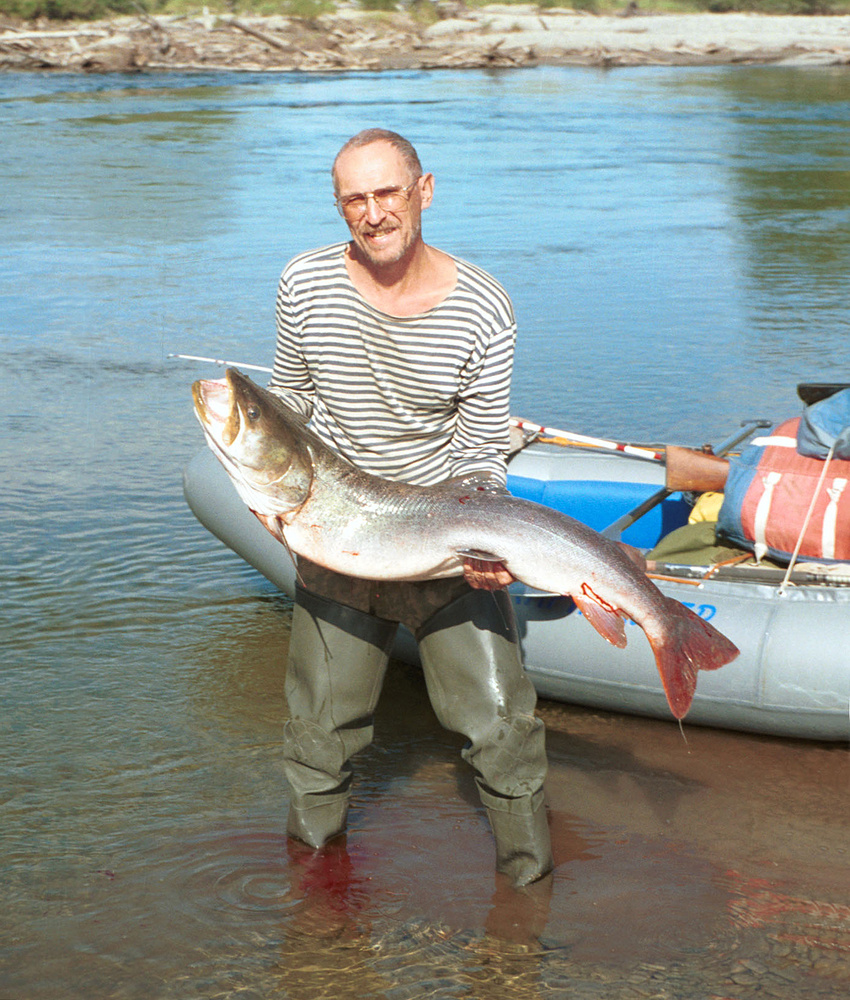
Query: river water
[(677, 245)]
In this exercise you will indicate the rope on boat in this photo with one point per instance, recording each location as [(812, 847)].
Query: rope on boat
[(806, 520)]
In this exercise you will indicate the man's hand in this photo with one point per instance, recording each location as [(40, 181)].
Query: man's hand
[(484, 574)]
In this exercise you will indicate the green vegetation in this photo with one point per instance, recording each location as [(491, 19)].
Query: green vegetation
[(67, 10), (60, 10), (697, 6)]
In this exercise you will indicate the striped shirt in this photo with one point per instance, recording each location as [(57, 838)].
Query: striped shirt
[(413, 398)]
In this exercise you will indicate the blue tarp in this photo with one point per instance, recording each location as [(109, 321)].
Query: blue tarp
[(825, 424)]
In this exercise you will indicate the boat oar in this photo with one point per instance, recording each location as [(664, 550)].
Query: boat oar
[(582, 440), (717, 473)]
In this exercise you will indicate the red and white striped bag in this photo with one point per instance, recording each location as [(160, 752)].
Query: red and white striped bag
[(773, 494)]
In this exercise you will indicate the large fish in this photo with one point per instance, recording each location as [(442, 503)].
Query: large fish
[(325, 509)]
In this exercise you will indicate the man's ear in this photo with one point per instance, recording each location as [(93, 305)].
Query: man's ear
[(426, 189)]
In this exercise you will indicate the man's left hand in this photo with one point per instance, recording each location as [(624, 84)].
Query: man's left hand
[(484, 574)]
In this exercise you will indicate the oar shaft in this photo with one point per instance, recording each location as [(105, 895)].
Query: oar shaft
[(615, 529), (568, 437)]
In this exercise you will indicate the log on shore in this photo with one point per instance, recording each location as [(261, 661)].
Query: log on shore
[(494, 36)]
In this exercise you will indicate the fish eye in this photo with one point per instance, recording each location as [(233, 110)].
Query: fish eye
[(253, 413)]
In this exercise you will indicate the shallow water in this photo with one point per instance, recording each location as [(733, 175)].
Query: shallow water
[(677, 245)]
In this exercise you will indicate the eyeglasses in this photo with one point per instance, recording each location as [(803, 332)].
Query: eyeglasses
[(390, 199)]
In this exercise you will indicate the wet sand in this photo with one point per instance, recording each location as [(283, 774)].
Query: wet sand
[(492, 36), (712, 868), (695, 864)]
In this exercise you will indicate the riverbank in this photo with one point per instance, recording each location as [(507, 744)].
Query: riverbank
[(493, 36)]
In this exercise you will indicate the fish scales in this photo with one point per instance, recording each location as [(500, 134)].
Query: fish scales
[(417, 533)]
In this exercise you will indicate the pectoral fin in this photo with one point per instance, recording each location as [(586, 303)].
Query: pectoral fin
[(604, 617), (271, 522)]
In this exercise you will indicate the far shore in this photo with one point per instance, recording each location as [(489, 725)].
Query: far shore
[(496, 36)]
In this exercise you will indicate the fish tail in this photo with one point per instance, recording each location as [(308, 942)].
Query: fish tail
[(686, 645)]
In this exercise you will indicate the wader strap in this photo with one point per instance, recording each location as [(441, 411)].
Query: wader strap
[(357, 623)]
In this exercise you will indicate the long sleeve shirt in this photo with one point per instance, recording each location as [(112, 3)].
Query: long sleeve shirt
[(414, 398)]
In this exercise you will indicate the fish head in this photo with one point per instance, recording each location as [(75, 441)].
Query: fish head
[(259, 440)]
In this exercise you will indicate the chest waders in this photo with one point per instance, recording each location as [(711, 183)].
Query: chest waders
[(473, 672)]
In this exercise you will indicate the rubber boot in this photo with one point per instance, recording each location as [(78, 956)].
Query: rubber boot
[(473, 669), (521, 831), (337, 661)]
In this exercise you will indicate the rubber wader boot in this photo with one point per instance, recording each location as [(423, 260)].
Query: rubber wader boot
[(337, 660), (473, 669)]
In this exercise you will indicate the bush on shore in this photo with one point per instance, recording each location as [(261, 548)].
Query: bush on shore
[(67, 10)]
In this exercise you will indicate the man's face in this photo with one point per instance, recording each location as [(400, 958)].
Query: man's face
[(384, 238)]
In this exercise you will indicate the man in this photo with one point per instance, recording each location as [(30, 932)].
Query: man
[(401, 357)]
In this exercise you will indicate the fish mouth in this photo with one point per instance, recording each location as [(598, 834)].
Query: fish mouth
[(226, 414), (218, 417), (218, 409), (213, 400)]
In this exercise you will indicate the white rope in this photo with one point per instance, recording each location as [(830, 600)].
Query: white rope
[(830, 518), (797, 547)]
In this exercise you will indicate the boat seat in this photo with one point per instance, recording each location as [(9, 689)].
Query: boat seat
[(598, 503)]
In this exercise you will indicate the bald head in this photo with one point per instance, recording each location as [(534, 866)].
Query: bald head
[(372, 135)]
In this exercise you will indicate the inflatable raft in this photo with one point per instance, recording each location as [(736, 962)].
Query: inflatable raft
[(792, 677)]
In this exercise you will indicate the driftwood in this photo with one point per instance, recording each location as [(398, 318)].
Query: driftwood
[(357, 40), (145, 42), (256, 33)]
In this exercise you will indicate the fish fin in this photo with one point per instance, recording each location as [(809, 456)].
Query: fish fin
[(479, 554), (604, 617), (274, 525), (690, 644), (271, 523)]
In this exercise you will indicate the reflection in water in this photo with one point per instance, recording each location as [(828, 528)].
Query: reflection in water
[(791, 186), (643, 221)]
